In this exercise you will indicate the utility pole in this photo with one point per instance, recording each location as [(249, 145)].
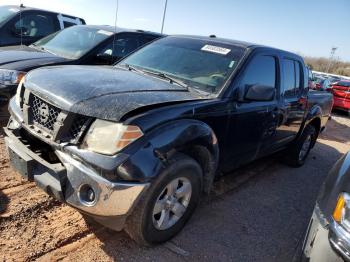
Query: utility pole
[(165, 7), (331, 58)]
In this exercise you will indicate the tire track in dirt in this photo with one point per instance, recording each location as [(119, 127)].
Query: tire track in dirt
[(41, 232)]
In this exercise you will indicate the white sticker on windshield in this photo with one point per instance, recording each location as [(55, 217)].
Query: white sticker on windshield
[(216, 49), (104, 32), (232, 64)]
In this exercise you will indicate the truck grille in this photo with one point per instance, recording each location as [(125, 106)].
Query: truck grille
[(78, 127), (55, 123), (43, 113)]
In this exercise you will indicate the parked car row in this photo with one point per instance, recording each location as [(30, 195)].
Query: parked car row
[(135, 145), (341, 95), (77, 45), (339, 89)]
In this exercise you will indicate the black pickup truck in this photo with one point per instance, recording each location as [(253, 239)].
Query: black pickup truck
[(135, 145)]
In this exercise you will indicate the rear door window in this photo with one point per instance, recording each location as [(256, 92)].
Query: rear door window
[(293, 78)]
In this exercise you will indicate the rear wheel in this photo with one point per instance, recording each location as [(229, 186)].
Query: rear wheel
[(297, 154), (168, 204)]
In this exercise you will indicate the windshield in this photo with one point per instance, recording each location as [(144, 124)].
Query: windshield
[(73, 42), (198, 63), (7, 12)]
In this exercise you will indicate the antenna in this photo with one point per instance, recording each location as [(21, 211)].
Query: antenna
[(331, 58), (20, 19), (165, 7), (115, 26)]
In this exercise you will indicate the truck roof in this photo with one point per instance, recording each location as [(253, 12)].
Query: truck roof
[(236, 43), (121, 29), (23, 8)]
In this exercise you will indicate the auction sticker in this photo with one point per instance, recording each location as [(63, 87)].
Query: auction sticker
[(216, 49)]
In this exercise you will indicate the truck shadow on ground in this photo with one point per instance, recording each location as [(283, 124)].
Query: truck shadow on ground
[(263, 207), (4, 201)]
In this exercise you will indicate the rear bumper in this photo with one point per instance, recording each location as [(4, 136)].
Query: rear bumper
[(69, 181)]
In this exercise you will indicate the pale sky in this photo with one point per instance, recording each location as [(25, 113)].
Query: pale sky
[(308, 27)]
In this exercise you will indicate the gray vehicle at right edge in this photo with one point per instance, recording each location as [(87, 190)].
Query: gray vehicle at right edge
[(328, 234)]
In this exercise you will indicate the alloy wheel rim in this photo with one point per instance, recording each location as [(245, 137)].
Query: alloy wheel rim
[(172, 203), (305, 148)]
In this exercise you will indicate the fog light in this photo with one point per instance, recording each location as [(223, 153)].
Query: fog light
[(87, 195)]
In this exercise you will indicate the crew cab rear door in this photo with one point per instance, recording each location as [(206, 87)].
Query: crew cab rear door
[(293, 99)]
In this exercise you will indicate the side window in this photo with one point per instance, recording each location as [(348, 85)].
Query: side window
[(66, 21), (68, 24), (145, 39), (35, 25), (261, 71), (289, 78), (123, 45), (297, 75), (293, 82)]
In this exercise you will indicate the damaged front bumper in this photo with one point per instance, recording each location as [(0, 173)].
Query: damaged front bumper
[(76, 183)]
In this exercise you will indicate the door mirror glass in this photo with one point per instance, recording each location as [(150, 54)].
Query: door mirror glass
[(260, 93)]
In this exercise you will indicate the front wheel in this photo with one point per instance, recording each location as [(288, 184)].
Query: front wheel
[(297, 154), (168, 204)]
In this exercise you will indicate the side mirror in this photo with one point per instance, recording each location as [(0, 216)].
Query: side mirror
[(260, 93)]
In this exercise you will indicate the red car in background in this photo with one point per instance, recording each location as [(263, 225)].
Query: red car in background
[(341, 94)]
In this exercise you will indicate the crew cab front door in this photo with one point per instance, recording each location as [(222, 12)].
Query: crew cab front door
[(252, 122), (30, 26)]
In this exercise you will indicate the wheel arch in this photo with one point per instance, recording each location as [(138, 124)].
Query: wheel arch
[(313, 118), (191, 137)]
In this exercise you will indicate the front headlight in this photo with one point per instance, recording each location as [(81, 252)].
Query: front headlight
[(108, 138), (11, 77), (341, 212)]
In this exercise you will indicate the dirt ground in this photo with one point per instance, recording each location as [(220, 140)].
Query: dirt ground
[(257, 214)]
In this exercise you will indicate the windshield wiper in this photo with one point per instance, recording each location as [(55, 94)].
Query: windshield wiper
[(158, 74), (132, 68), (171, 79), (46, 50), (35, 46)]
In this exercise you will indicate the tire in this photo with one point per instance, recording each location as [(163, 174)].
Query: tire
[(296, 155), (146, 227)]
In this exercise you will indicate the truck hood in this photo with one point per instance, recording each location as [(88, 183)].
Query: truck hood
[(24, 58), (103, 92)]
